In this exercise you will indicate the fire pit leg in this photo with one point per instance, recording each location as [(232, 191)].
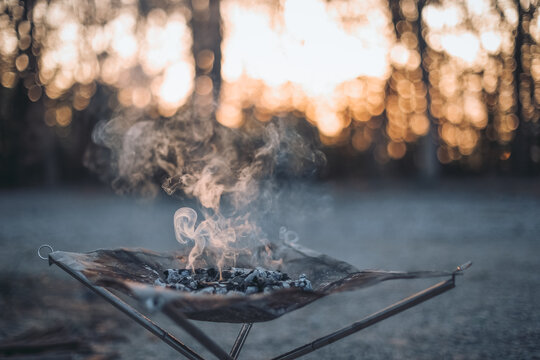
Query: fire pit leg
[(385, 313), (194, 331), (133, 314), (240, 340)]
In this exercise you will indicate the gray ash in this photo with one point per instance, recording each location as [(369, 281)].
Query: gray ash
[(233, 281)]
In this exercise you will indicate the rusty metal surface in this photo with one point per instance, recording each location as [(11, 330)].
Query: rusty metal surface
[(134, 271)]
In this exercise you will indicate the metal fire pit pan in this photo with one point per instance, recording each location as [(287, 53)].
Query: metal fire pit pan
[(134, 271)]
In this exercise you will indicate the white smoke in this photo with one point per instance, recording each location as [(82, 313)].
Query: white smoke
[(232, 174)]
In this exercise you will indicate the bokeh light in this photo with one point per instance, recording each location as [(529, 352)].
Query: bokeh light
[(63, 49), (326, 60), (370, 75)]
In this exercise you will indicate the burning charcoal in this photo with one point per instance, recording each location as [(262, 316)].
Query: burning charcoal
[(252, 290), (240, 271), (206, 290), (303, 283), (172, 276), (250, 279), (221, 289), (237, 280), (159, 282), (232, 286), (179, 286), (226, 274), (233, 281)]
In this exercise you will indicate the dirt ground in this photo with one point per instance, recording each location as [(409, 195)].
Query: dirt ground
[(494, 312)]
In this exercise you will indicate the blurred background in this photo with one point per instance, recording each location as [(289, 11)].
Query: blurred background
[(428, 114), (393, 88)]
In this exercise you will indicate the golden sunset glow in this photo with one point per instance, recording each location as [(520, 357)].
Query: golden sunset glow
[(366, 74), (471, 56), (79, 47), (300, 56)]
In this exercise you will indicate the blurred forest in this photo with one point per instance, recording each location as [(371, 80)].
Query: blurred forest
[(392, 88)]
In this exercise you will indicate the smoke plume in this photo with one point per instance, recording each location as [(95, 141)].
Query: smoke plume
[(233, 173)]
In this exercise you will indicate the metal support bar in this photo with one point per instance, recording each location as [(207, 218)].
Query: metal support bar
[(385, 313), (240, 340), (196, 333), (133, 314)]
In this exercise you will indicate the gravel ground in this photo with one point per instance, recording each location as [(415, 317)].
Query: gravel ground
[(494, 312)]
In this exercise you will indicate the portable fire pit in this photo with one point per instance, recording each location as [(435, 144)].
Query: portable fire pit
[(144, 275)]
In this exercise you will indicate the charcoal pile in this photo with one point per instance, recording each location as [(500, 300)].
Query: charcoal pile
[(232, 281)]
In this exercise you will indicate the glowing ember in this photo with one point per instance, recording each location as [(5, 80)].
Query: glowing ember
[(233, 281)]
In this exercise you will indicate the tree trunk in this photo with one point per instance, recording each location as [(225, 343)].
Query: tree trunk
[(430, 167)]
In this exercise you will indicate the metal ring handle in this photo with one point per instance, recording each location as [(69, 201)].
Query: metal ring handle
[(42, 247)]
